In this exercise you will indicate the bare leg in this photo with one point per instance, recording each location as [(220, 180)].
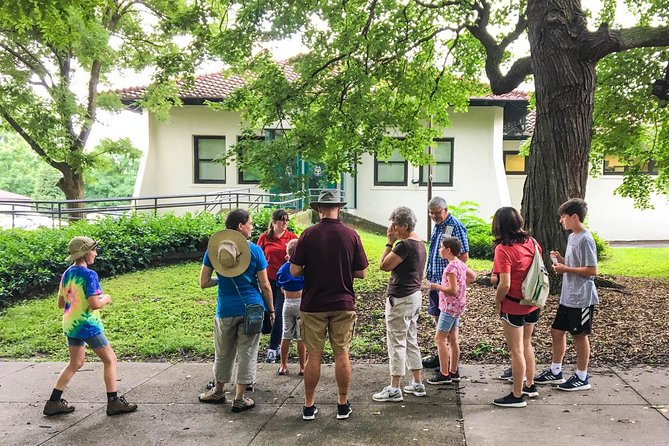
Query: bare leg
[(77, 358), (514, 340), (528, 351), (285, 344), (312, 374), (108, 358), (582, 343), (342, 376), (441, 339), (301, 354), (454, 349), (417, 375), (559, 345), (239, 391), (395, 381)]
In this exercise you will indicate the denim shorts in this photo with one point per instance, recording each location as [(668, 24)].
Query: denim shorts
[(94, 342), (447, 322)]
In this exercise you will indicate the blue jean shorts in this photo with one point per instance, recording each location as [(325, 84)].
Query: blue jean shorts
[(97, 341), (447, 322)]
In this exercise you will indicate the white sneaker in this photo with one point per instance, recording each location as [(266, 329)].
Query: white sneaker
[(271, 356), (417, 389), (388, 395)]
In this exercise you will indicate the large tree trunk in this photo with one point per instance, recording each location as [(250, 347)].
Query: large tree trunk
[(565, 87), (72, 185)]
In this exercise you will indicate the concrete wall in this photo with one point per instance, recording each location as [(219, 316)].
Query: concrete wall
[(611, 216), (478, 174)]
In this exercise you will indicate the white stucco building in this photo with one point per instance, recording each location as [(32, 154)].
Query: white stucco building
[(477, 161)]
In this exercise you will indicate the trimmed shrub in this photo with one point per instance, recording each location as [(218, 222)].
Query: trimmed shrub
[(478, 230), (261, 221), (33, 261)]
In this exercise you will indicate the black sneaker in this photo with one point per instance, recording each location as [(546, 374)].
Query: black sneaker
[(510, 401), (507, 375), (430, 362), (344, 411), (531, 391), (309, 413), (548, 377), (455, 377), (438, 378)]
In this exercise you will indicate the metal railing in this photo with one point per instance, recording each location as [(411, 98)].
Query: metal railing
[(56, 213)]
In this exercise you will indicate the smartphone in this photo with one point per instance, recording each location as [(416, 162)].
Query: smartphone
[(554, 260)]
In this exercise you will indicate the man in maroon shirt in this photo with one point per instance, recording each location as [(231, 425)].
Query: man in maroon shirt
[(329, 255)]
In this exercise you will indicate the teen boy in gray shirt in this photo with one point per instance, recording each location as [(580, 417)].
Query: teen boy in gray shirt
[(577, 298)]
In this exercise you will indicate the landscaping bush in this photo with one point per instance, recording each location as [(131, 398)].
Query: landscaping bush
[(34, 260), (261, 220)]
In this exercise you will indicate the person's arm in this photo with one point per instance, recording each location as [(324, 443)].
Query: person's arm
[(207, 280), (360, 274), (61, 299), (266, 290), (502, 289), (389, 260), (585, 271), (470, 276), (98, 301), (450, 289), (296, 270)]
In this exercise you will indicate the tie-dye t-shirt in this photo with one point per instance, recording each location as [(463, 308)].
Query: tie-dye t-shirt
[(77, 284)]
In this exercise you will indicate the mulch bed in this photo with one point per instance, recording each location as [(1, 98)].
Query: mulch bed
[(630, 326)]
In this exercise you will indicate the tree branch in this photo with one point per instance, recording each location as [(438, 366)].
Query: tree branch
[(370, 18), (520, 69), (31, 142), (604, 41)]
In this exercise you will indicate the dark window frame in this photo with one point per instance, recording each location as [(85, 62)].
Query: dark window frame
[(513, 172), (423, 181), (390, 183), (197, 159), (651, 169), (240, 172)]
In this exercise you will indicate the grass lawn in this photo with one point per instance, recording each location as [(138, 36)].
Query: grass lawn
[(162, 313), (652, 263)]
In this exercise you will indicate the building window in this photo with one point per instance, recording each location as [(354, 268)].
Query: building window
[(392, 172), (250, 175), (442, 171), (208, 151), (615, 166), (514, 163)]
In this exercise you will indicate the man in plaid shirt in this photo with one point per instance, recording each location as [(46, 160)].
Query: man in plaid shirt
[(445, 225)]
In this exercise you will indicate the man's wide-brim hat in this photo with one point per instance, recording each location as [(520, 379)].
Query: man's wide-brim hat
[(79, 247), (327, 197), (229, 252)]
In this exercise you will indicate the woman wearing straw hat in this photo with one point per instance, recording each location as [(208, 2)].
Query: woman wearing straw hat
[(80, 297), (240, 268)]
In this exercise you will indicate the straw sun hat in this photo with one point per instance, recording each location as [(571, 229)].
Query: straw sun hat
[(229, 253)]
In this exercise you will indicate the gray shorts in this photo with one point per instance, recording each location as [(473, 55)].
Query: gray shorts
[(97, 341), (291, 317)]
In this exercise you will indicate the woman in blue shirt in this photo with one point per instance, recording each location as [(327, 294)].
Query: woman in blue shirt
[(241, 275)]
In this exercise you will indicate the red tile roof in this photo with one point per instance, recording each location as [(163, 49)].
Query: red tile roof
[(217, 86)]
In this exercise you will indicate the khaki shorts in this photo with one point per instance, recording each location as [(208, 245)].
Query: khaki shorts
[(339, 325)]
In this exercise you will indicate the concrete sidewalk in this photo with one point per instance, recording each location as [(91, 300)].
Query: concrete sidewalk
[(624, 407)]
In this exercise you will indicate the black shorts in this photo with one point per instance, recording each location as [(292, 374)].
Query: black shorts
[(519, 320), (576, 321)]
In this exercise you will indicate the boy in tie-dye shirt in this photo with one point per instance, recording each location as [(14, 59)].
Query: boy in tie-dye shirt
[(80, 297)]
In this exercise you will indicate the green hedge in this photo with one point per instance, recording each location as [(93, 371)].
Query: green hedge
[(33, 261), (480, 235)]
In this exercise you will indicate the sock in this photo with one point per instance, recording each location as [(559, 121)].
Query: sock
[(111, 396), (582, 374), (55, 395), (556, 367)]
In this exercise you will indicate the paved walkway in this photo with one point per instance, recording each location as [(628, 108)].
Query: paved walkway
[(624, 407)]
